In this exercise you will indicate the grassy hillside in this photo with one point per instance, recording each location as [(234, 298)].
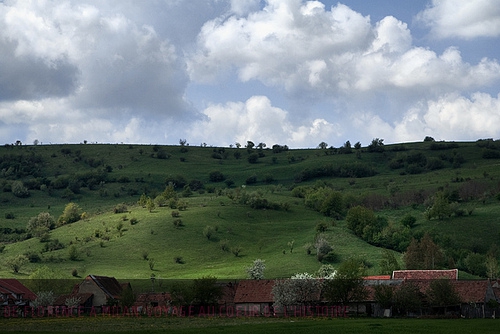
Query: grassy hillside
[(393, 180)]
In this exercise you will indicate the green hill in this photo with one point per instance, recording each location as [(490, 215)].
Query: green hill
[(259, 203)]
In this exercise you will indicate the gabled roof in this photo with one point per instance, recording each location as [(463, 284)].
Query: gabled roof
[(425, 274), (13, 286), (471, 291), (254, 291), (109, 285)]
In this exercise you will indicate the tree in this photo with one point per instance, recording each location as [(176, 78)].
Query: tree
[(440, 208), (384, 295), (423, 254), (206, 291), (150, 204), (322, 247), (256, 270), (72, 213), (44, 298), (19, 190), (208, 231), (407, 298), (377, 145), (46, 279), (73, 253), (16, 263), (323, 145), (41, 224), (300, 289), (250, 145), (388, 263), (347, 285), (358, 218), (442, 294)]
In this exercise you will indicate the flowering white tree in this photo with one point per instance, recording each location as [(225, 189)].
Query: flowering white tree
[(300, 289), (256, 270)]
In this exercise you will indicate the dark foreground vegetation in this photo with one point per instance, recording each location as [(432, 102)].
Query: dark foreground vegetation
[(248, 325)]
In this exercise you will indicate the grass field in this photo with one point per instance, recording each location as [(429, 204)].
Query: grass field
[(104, 249), (248, 325)]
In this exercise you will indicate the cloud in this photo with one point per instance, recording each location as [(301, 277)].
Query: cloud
[(99, 64), (452, 117), (97, 60), (257, 120), (244, 7), (462, 18), (311, 51)]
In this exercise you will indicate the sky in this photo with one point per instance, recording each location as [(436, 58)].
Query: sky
[(220, 72)]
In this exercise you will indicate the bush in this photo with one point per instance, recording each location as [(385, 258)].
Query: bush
[(120, 208), (19, 190), (251, 179), (73, 253), (253, 158), (216, 176), (178, 223), (409, 221), (236, 251), (208, 232), (178, 259)]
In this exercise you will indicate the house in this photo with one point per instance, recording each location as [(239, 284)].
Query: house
[(254, 297), (148, 300), (13, 292), (105, 290)]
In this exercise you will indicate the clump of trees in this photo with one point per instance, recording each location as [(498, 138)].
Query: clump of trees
[(72, 213), (40, 225)]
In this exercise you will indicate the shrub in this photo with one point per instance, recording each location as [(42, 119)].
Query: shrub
[(16, 263), (178, 223), (145, 255), (19, 190), (74, 272), (321, 227), (236, 251), (73, 253), (409, 221), (224, 245), (253, 158), (208, 231), (175, 214), (133, 221), (216, 176), (151, 263), (251, 179), (178, 259), (120, 208)]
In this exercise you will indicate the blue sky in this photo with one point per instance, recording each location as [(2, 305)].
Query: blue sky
[(224, 71)]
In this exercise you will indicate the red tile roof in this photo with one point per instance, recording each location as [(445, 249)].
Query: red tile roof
[(254, 291), (471, 291), (377, 278), (425, 274), (12, 285)]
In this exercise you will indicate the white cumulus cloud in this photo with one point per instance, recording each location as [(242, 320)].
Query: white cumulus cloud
[(465, 19), (258, 120)]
